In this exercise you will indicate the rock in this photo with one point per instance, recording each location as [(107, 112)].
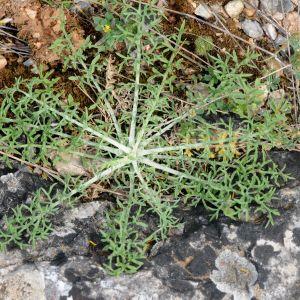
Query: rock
[(218, 9), (273, 6), (280, 40), (274, 65), (278, 16), (15, 188), (252, 29), (68, 264), (70, 164), (31, 13), (3, 62), (277, 96), (26, 282), (270, 30), (235, 275), (234, 8), (82, 6), (292, 23), (249, 11), (203, 11), (252, 3)]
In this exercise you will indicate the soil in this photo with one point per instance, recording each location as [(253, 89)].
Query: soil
[(196, 27), (40, 26), (13, 71)]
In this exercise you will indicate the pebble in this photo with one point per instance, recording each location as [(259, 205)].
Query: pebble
[(31, 13), (274, 65), (252, 3), (82, 6), (250, 11), (252, 29), (218, 9), (203, 11), (273, 6), (280, 40), (277, 96), (251, 7), (270, 30), (285, 6), (234, 8), (3, 62), (278, 16), (292, 22)]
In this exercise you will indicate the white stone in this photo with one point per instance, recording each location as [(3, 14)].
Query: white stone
[(70, 164), (252, 29), (3, 62), (234, 8), (31, 13), (270, 30), (278, 16), (26, 282), (203, 11), (274, 6), (280, 40)]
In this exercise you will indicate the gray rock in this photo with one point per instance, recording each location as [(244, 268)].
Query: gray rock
[(280, 40), (65, 267), (203, 11), (26, 282), (251, 3), (273, 6), (15, 187), (270, 31), (234, 8), (252, 29), (82, 6), (235, 275)]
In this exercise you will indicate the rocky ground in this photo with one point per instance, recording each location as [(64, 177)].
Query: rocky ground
[(206, 260)]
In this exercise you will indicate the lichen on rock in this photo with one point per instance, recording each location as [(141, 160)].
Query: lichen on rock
[(235, 275)]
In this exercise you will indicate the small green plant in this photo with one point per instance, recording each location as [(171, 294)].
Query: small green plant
[(122, 238), (154, 150), (226, 76), (203, 45), (29, 222)]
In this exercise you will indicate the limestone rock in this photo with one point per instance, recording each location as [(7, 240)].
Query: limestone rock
[(292, 23), (3, 62), (234, 8), (26, 282), (203, 11), (252, 29), (66, 266), (270, 30), (235, 275), (273, 6), (252, 3)]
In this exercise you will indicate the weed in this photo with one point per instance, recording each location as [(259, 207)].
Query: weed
[(29, 222), (203, 45), (153, 149)]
